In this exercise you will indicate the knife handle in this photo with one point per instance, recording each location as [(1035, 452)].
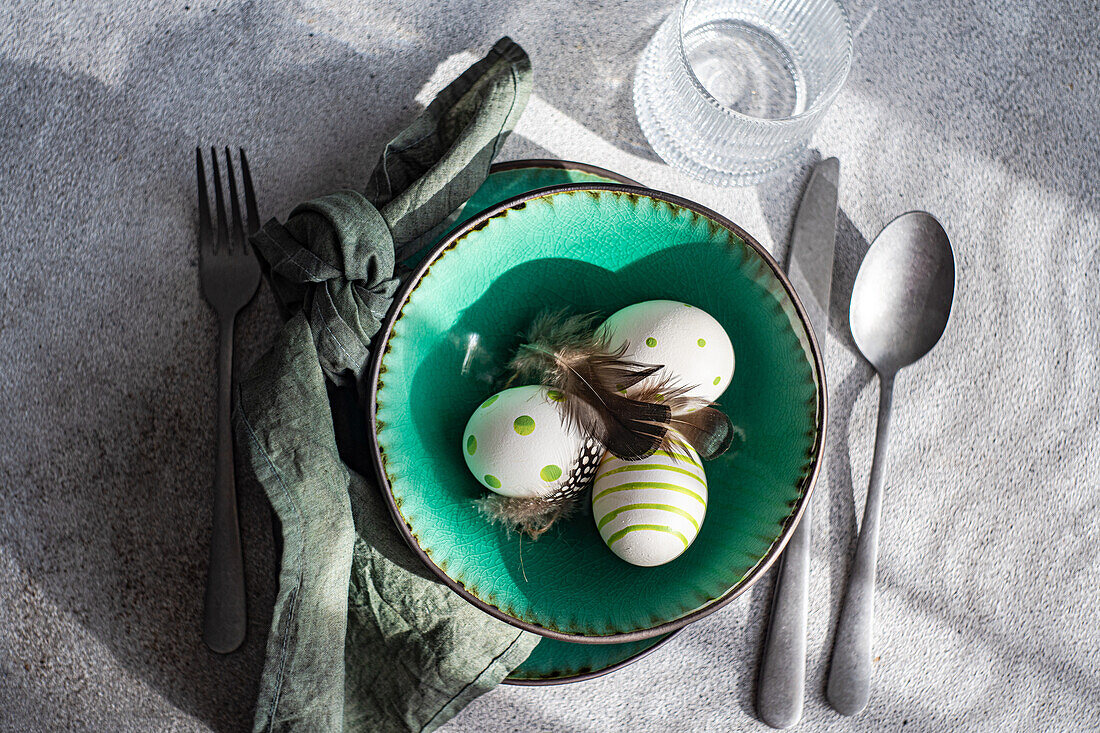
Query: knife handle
[(780, 688)]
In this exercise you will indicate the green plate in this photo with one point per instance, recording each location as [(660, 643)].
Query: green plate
[(593, 247), (555, 662)]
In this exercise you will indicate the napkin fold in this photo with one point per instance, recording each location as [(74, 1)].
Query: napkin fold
[(362, 636)]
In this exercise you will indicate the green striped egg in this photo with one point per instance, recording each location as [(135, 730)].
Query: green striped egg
[(649, 511)]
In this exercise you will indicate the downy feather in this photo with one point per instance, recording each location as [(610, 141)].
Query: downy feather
[(529, 515)]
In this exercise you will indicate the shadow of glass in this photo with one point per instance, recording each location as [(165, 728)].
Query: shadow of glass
[(602, 69), (625, 129)]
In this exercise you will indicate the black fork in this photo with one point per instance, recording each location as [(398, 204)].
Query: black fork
[(229, 275)]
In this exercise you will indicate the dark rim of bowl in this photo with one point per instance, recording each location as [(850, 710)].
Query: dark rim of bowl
[(381, 344), (593, 674), (566, 165)]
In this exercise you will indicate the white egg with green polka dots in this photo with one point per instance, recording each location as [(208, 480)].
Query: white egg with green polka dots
[(691, 345), (517, 443)]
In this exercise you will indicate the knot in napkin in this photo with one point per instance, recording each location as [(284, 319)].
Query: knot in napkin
[(334, 261)]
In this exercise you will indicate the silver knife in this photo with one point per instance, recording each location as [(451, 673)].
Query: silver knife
[(782, 678)]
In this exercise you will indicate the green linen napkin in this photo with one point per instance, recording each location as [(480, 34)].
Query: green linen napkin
[(362, 635)]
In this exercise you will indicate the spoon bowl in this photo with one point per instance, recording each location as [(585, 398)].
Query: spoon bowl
[(901, 300)]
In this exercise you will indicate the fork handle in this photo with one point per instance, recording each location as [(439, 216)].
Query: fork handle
[(224, 619)]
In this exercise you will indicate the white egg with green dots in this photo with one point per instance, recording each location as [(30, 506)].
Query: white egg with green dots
[(649, 511), (518, 444), (689, 342)]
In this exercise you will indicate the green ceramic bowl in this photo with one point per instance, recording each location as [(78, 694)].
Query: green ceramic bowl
[(593, 247)]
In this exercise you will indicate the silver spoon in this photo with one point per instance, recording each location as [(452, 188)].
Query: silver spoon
[(901, 302)]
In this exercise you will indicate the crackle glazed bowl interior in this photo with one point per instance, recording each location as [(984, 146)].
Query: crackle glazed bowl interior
[(592, 248)]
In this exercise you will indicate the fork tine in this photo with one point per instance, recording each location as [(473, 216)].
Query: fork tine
[(206, 238), (249, 195), (219, 198), (236, 228)]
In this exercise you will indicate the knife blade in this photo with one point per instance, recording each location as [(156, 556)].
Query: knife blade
[(782, 681), (813, 245)]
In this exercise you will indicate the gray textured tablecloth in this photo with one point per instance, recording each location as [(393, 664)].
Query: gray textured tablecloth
[(984, 113)]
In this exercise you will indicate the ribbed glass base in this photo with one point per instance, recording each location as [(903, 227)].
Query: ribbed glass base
[(730, 91)]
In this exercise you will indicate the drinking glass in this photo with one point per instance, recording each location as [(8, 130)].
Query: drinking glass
[(729, 91)]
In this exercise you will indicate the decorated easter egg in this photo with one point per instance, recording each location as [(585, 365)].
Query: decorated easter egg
[(688, 341), (649, 511), (517, 443)]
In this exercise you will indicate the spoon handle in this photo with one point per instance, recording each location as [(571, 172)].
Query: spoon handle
[(779, 691), (850, 671)]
